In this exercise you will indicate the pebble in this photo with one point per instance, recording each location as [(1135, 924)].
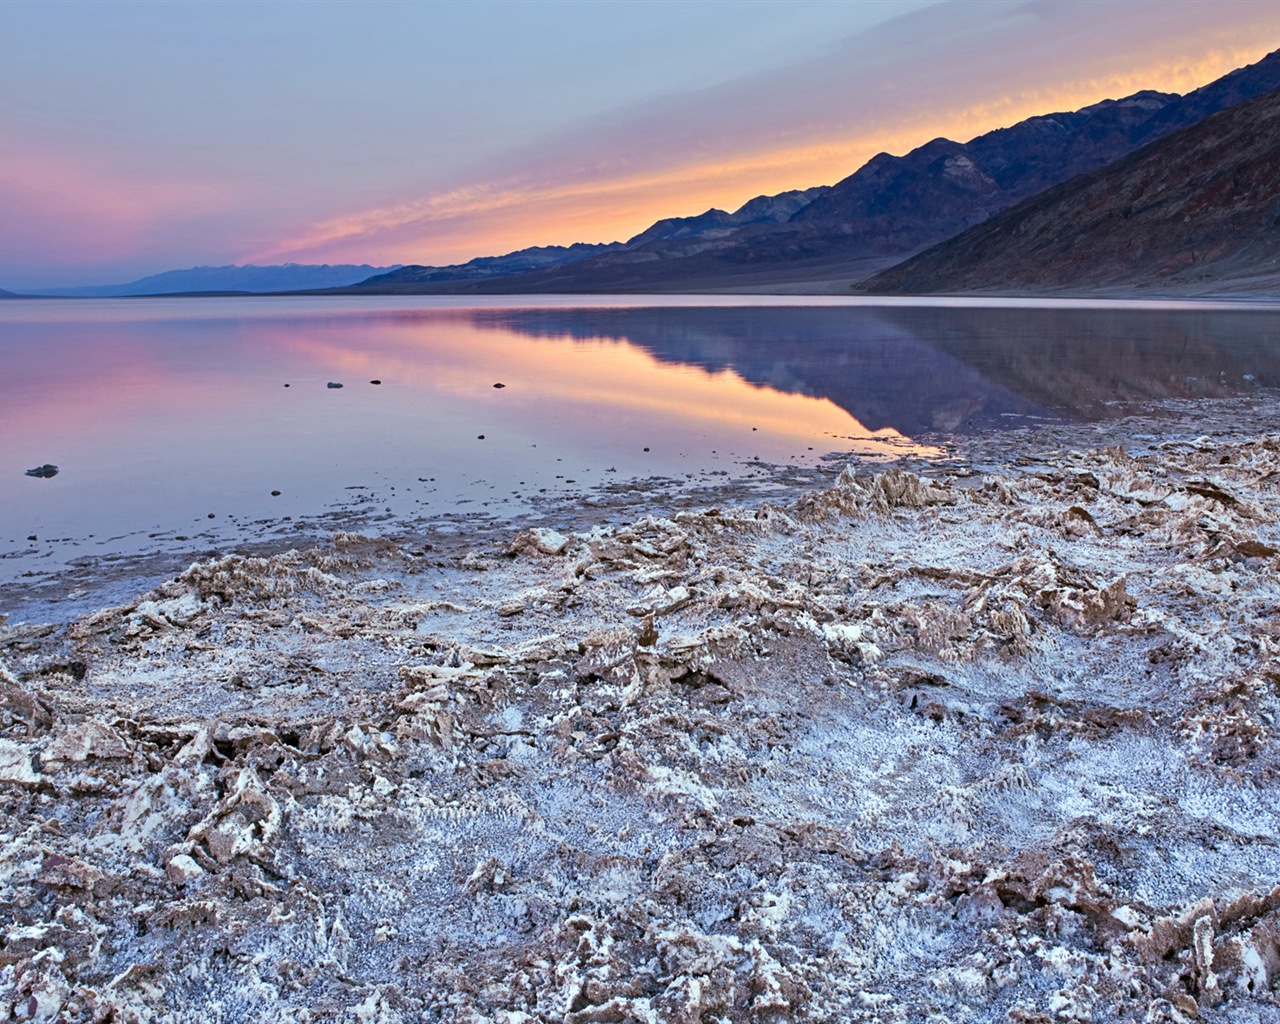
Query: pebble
[(332, 384), (182, 869)]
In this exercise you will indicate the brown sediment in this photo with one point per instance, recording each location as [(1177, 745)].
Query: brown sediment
[(989, 746)]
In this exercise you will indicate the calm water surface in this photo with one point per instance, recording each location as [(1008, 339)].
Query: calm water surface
[(159, 413)]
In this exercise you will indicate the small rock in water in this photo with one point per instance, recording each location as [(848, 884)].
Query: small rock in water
[(212, 516), (32, 536), (371, 382), (275, 494), (479, 437), (332, 384), (47, 470), (499, 385), (286, 385)]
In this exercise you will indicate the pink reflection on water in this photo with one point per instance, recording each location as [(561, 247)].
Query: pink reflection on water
[(158, 421)]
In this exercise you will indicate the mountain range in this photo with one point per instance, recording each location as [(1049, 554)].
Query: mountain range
[(885, 212), (486, 267), (1083, 199), (250, 278), (1199, 210)]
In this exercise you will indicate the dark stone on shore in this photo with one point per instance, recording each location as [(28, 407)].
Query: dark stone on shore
[(45, 471), (499, 385), (331, 384)]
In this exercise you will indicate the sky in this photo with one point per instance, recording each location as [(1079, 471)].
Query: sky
[(142, 137)]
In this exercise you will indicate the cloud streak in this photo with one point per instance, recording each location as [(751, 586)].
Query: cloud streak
[(957, 70)]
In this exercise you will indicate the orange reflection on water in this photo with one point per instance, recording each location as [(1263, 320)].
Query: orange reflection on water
[(613, 384)]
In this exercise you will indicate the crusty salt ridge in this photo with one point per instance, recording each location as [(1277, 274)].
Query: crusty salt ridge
[(993, 749)]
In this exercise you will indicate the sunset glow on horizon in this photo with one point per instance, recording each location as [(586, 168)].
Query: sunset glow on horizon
[(567, 143), (486, 220), (461, 225)]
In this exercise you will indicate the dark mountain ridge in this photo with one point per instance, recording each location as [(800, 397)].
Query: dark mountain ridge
[(521, 261), (705, 226), (887, 210), (1196, 211)]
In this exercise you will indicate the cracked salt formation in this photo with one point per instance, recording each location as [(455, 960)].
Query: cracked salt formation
[(981, 749)]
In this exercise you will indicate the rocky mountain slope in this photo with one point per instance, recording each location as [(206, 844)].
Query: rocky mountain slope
[(891, 207), (1195, 211)]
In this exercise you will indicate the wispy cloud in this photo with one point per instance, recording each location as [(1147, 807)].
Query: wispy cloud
[(957, 70)]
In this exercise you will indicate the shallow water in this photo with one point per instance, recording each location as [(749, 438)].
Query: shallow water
[(170, 418)]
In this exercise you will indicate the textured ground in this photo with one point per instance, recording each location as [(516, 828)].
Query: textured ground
[(983, 748)]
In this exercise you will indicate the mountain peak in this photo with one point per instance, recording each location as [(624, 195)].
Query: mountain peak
[(1196, 210)]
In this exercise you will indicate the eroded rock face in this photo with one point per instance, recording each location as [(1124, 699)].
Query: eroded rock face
[(996, 749)]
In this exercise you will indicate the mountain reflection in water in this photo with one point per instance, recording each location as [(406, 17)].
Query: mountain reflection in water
[(204, 420), (922, 370)]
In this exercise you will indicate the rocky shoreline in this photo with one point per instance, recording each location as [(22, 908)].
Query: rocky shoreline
[(986, 746)]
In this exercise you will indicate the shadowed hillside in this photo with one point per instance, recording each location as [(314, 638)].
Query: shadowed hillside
[(1196, 212), (888, 209)]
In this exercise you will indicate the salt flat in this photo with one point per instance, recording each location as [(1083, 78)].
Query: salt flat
[(987, 746)]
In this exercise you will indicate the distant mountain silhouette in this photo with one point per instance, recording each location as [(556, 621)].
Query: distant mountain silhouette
[(705, 226), (285, 277), (1196, 211), (484, 267), (884, 212)]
